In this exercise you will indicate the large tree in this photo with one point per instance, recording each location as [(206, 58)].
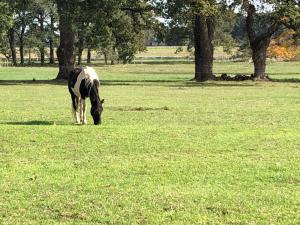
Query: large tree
[(259, 42), (199, 15), (264, 18), (122, 32), (67, 12)]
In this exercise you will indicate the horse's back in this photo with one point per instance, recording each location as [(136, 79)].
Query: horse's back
[(91, 73), (81, 80)]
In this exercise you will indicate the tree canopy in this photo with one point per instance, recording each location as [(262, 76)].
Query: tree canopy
[(118, 29)]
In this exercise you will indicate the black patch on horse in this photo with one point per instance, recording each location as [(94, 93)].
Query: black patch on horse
[(73, 77), (85, 89)]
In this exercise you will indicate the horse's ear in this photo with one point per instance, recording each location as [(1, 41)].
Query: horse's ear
[(102, 101)]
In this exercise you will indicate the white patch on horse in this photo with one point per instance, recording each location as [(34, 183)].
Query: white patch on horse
[(88, 74), (91, 74)]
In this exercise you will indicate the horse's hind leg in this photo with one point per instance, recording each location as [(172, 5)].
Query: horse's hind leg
[(83, 109), (75, 102)]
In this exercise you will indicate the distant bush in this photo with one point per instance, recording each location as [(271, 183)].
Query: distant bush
[(284, 47)]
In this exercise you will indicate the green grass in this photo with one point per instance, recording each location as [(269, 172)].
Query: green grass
[(175, 71), (170, 51), (152, 51), (171, 152)]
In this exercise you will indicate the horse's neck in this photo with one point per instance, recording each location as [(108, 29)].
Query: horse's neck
[(94, 93)]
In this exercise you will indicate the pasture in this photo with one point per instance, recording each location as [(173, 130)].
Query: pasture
[(170, 151)]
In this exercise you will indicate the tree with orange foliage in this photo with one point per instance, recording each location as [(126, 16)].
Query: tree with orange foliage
[(262, 24), (285, 46)]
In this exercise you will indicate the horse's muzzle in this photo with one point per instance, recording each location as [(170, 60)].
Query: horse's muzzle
[(97, 122)]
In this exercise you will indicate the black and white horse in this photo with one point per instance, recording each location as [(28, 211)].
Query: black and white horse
[(84, 83)]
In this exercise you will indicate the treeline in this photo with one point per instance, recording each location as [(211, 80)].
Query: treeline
[(115, 29), (30, 25), (118, 29)]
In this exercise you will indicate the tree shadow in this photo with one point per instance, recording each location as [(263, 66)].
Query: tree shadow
[(30, 123), (287, 80), (150, 82), (177, 83), (139, 82), (217, 84), (103, 82), (34, 82), (164, 62), (164, 83), (159, 73)]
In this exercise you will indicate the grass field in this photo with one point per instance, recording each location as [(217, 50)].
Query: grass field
[(152, 51), (172, 51), (169, 151), (155, 71)]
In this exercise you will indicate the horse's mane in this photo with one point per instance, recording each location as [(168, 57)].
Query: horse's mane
[(90, 74)]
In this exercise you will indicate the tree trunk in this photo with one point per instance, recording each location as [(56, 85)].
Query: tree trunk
[(203, 33), (21, 39), (65, 51), (63, 72), (42, 52), (113, 56), (11, 36), (42, 48), (51, 59), (259, 55), (89, 55), (259, 44), (21, 51), (12, 45), (80, 50), (105, 58), (29, 55)]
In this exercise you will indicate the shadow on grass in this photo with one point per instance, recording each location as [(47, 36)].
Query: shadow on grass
[(30, 123), (145, 62), (166, 62), (37, 82), (175, 83), (138, 109), (287, 80), (149, 82), (103, 82)]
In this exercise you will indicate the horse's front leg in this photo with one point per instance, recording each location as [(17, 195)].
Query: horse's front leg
[(84, 121), (82, 111)]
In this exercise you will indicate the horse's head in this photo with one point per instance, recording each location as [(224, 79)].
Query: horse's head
[(96, 112)]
